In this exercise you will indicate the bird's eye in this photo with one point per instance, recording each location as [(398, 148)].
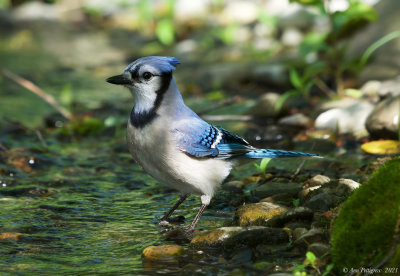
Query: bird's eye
[(147, 75)]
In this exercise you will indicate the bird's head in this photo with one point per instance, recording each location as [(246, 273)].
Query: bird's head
[(148, 78)]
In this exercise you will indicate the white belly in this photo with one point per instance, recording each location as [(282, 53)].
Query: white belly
[(155, 150)]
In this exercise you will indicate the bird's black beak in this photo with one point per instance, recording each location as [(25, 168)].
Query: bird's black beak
[(119, 80)]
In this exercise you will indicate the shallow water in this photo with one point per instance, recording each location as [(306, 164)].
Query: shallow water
[(90, 210)]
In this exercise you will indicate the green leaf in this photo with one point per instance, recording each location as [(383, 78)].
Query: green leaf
[(328, 269), (311, 257), (165, 31), (282, 99), (264, 164), (295, 79), (382, 41), (66, 96), (313, 42), (296, 202)]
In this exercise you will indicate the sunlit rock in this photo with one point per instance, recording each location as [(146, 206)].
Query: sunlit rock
[(258, 213), (162, 252)]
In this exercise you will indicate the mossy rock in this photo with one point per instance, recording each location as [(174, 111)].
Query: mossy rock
[(363, 234)]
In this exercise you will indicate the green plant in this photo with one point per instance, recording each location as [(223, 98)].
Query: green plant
[(312, 262), (263, 165), (330, 50)]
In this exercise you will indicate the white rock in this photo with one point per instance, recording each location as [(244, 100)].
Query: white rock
[(189, 10), (291, 37), (350, 119), (240, 11)]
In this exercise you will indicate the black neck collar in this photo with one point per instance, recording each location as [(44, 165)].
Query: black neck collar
[(141, 119)]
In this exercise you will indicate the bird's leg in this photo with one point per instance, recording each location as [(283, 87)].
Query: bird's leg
[(205, 201), (164, 220)]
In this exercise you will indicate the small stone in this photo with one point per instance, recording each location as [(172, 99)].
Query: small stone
[(258, 213), (311, 236), (317, 180), (303, 194), (346, 186), (162, 252), (273, 188), (296, 120)]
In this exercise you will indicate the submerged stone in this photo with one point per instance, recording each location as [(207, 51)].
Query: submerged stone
[(162, 252), (311, 236)]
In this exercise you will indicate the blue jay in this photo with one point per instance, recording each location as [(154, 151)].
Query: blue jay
[(172, 143)]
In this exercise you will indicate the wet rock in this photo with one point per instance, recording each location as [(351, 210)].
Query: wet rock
[(346, 186), (215, 238), (319, 249), (329, 195), (265, 106), (317, 180), (312, 236), (273, 188), (383, 122), (297, 120), (296, 214), (162, 252), (349, 120), (258, 213), (284, 199), (238, 237), (298, 232), (324, 201), (255, 235), (305, 192)]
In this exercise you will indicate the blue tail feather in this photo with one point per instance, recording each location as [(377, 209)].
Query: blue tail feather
[(271, 153)]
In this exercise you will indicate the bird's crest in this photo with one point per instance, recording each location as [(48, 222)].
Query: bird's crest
[(163, 64)]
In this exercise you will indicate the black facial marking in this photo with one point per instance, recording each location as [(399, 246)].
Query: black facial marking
[(141, 119)]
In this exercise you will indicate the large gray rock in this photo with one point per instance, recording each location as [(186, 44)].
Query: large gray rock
[(383, 122)]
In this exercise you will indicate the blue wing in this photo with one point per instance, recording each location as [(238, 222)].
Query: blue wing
[(215, 142)]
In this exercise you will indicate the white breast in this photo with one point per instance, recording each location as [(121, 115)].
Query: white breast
[(154, 148)]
